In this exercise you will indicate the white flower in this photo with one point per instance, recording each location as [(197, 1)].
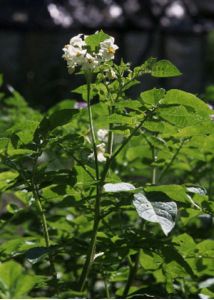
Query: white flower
[(100, 153), (74, 56), (102, 135), (107, 49), (77, 41), (90, 62)]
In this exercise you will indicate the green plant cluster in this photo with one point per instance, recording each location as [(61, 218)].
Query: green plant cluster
[(123, 214)]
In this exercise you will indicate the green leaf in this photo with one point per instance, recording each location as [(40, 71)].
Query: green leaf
[(132, 104), (24, 125), (150, 260), (188, 100), (121, 119), (17, 100), (155, 126), (164, 68), (200, 129), (185, 244), (173, 191), (64, 104), (94, 40), (179, 116), (16, 283), (206, 293), (58, 118), (83, 90), (61, 117), (6, 179), (3, 144), (19, 152), (163, 213), (209, 93), (1, 80), (152, 97), (17, 246)]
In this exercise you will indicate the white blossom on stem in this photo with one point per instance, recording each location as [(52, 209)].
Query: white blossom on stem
[(102, 135), (77, 54), (107, 49), (90, 62), (100, 153)]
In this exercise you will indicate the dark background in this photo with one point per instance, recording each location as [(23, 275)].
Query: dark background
[(33, 33)]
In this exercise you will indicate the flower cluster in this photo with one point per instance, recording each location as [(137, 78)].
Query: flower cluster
[(77, 54), (102, 136)]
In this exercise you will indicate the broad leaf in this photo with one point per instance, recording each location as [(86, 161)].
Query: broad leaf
[(118, 187), (188, 100), (94, 40), (163, 213), (49, 123), (173, 191), (14, 282), (165, 68), (152, 97), (6, 179)]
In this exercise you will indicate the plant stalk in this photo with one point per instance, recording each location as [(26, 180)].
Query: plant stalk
[(44, 224), (164, 171), (132, 273), (92, 245), (154, 170)]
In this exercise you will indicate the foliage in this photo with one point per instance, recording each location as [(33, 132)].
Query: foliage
[(112, 200)]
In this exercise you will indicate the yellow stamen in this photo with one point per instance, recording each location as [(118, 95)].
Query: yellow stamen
[(111, 50)]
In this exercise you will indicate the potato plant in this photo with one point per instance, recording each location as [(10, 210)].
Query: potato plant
[(110, 197)]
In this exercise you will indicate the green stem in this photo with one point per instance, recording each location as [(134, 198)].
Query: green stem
[(110, 135), (92, 245), (100, 181), (165, 170), (125, 142), (83, 166), (149, 113), (90, 255), (133, 266), (154, 170), (90, 116), (44, 223), (107, 288)]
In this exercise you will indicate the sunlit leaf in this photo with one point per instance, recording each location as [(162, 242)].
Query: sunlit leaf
[(163, 213), (118, 187)]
